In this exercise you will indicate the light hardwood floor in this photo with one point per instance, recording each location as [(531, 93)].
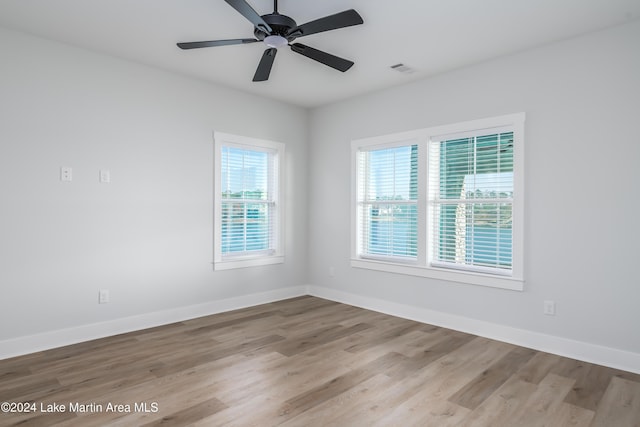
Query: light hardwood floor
[(311, 362)]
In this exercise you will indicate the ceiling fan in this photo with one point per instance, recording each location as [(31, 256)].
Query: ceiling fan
[(277, 30)]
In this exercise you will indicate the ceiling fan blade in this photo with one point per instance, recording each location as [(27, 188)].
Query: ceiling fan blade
[(344, 19), (264, 67), (212, 43), (247, 11), (332, 61)]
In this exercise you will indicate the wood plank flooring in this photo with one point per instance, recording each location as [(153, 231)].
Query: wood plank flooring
[(310, 362)]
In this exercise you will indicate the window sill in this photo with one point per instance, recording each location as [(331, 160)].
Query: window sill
[(472, 278), (247, 262)]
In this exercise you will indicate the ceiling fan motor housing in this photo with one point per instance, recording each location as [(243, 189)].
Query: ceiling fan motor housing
[(280, 24)]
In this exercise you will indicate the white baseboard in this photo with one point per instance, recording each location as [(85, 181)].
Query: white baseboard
[(587, 352), (592, 353), (61, 337)]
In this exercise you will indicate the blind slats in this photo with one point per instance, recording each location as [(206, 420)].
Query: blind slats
[(248, 207), (388, 202), (472, 182), (470, 188)]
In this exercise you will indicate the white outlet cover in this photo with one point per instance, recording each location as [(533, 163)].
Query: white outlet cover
[(66, 174), (550, 308), (103, 296)]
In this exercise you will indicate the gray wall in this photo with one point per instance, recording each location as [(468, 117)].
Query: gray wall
[(582, 100), (146, 236)]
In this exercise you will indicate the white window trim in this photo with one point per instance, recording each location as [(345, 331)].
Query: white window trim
[(265, 258), (422, 267)]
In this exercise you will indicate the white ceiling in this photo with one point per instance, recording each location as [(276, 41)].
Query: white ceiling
[(431, 36)]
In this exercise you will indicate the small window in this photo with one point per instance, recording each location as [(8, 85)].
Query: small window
[(247, 203), (444, 202)]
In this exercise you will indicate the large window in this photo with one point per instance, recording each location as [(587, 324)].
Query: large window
[(247, 205), (442, 202)]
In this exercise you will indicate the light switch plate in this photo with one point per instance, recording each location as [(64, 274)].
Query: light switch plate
[(105, 176)]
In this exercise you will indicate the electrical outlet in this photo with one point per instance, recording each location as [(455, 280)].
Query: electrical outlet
[(549, 308), (332, 272), (66, 174), (103, 296)]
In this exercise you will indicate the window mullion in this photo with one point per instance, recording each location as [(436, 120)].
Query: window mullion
[(421, 202)]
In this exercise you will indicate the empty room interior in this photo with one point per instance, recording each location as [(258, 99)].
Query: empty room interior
[(417, 213)]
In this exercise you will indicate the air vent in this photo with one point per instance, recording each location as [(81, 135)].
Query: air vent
[(401, 68)]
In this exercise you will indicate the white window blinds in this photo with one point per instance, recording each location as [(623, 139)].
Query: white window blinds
[(248, 201), (445, 202), (471, 202), (387, 202)]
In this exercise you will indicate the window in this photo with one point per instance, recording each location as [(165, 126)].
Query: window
[(247, 202), (443, 202), (471, 202), (388, 202)]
